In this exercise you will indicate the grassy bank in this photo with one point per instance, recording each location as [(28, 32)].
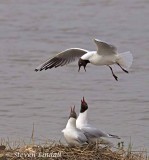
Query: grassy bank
[(58, 151)]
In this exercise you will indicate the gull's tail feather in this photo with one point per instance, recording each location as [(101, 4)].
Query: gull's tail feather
[(125, 59), (113, 136)]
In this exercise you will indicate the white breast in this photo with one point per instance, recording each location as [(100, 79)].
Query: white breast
[(73, 135), (81, 120), (70, 137), (88, 55)]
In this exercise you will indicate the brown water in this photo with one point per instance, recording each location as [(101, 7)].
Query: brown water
[(33, 30)]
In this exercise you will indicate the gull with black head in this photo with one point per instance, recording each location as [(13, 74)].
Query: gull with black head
[(106, 54), (92, 133)]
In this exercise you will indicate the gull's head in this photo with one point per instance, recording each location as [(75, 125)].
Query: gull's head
[(73, 113), (84, 106), (83, 63)]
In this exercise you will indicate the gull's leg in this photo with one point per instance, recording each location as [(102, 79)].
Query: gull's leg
[(122, 68), (79, 69), (84, 69), (116, 78)]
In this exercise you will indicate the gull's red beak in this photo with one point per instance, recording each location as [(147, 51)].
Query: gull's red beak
[(83, 99)]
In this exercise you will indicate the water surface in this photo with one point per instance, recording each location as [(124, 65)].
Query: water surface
[(31, 31)]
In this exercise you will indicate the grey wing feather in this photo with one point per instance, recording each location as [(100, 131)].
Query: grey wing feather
[(105, 48), (62, 58), (96, 133), (82, 139), (93, 132)]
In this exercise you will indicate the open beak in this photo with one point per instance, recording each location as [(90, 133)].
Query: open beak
[(80, 67), (83, 99)]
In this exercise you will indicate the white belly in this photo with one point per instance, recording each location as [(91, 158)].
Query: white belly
[(70, 137), (70, 140), (103, 60)]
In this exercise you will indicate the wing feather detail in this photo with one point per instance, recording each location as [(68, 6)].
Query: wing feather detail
[(105, 48), (62, 58)]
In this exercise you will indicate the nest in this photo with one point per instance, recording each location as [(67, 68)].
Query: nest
[(58, 151)]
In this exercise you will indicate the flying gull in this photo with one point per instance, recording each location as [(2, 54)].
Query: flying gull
[(106, 54)]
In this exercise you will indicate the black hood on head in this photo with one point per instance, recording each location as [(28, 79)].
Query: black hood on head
[(83, 63), (84, 106)]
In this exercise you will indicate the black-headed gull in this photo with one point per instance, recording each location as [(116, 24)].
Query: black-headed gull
[(73, 135), (91, 132), (106, 54)]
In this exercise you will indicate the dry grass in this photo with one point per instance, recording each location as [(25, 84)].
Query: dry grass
[(58, 151)]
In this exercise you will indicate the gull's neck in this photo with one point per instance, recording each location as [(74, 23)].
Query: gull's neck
[(71, 123), (82, 119)]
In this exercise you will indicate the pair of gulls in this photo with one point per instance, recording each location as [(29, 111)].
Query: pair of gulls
[(106, 54), (78, 131)]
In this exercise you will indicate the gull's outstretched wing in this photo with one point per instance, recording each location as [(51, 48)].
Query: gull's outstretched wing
[(105, 48), (62, 58)]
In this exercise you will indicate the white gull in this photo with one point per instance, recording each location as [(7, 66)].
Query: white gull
[(106, 54), (73, 135), (92, 133)]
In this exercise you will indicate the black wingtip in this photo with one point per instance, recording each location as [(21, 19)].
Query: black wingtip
[(36, 70), (114, 136)]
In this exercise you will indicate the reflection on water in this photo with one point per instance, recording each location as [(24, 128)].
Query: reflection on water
[(31, 31)]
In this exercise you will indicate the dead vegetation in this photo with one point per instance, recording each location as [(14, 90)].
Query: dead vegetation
[(58, 151)]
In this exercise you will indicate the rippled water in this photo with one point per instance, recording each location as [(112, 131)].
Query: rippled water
[(32, 31)]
